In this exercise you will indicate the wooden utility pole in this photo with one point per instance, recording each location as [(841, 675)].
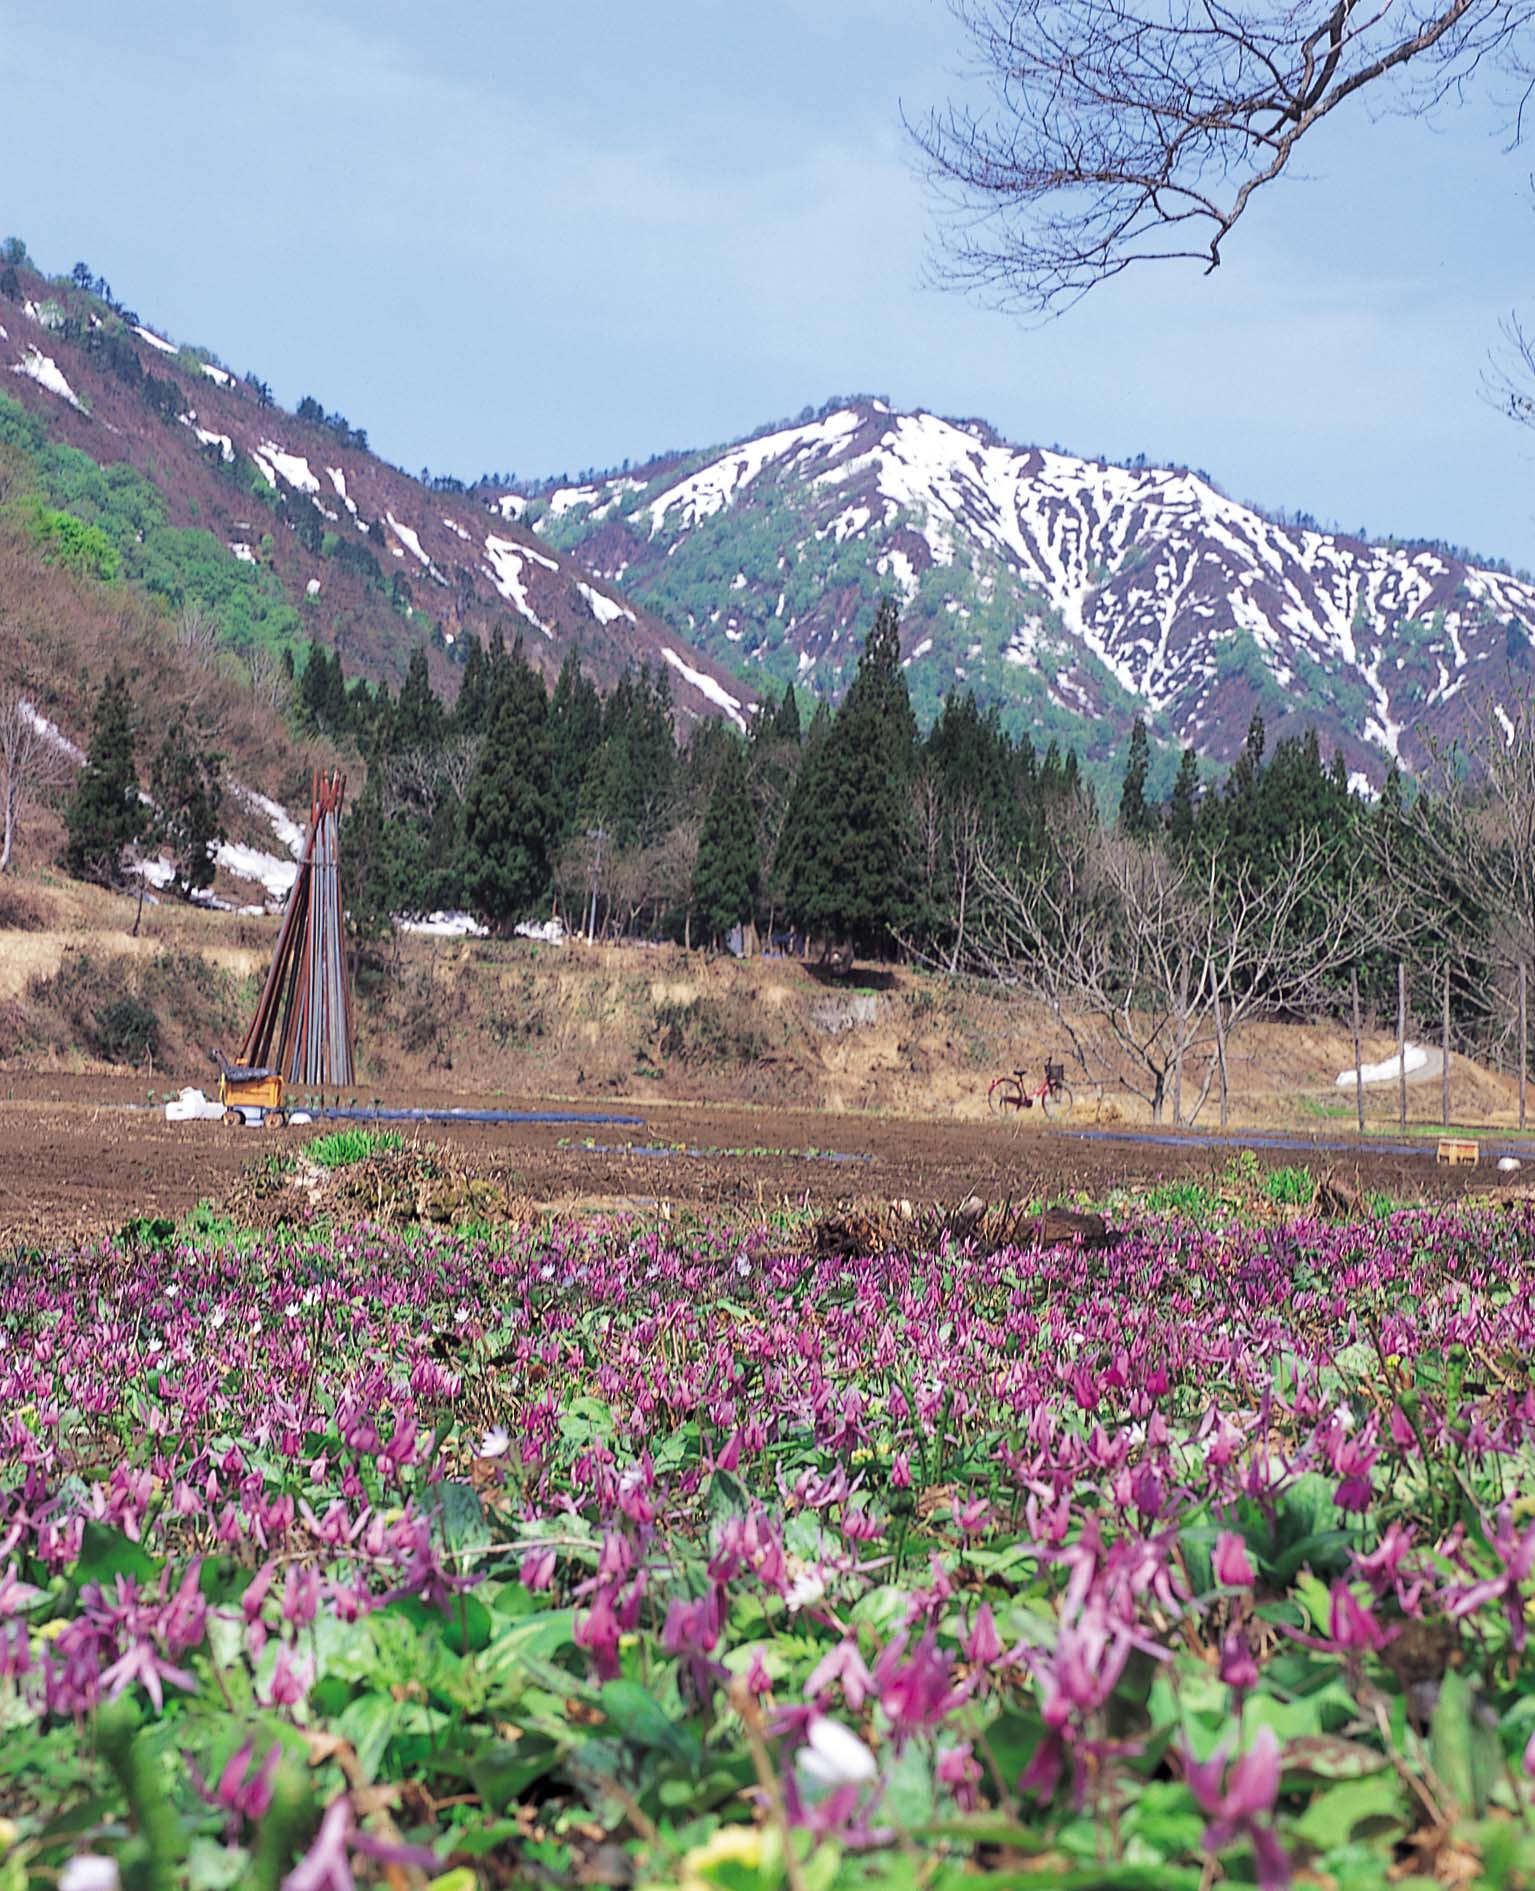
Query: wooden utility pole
[(1353, 988), (1220, 1052), (1401, 1043), (1444, 1054), (1524, 1037)]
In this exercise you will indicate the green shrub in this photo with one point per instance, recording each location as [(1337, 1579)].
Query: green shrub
[(344, 1146), (1290, 1188), (127, 1032)]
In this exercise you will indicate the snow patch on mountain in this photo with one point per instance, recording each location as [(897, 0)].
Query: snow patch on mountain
[(606, 610), (706, 686), (505, 562), (279, 466), (45, 371)]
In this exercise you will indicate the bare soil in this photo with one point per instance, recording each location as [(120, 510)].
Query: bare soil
[(84, 1154)]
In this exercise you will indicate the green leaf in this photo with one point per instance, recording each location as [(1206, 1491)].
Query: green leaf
[(503, 1771), (370, 1723), (1449, 1739), (633, 1712), (1358, 1807), (456, 1510), (106, 1553), (1326, 1756)]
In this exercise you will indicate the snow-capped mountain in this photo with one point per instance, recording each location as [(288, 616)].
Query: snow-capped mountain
[(330, 542), (1074, 593)]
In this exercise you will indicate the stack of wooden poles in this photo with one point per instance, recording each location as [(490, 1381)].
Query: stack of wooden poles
[(303, 1024)]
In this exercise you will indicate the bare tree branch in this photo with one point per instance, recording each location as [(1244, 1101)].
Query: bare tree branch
[(1127, 131)]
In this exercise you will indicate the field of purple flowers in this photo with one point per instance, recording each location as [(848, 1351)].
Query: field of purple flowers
[(592, 1554)]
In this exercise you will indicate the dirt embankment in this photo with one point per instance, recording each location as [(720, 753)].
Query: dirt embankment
[(492, 1018)]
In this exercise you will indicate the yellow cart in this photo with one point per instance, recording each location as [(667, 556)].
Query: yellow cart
[(251, 1095)]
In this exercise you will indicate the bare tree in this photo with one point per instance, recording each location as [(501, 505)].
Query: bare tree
[(1118, 132), (1147, 961), (270, 683), (32, 765)]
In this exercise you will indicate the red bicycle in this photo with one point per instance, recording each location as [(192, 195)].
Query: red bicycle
[(1011, 1093)]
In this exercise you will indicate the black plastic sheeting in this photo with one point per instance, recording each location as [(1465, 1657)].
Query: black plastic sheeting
[(1236, 1139), (377, 1115)]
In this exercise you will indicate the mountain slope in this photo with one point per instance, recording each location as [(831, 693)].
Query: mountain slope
[(1074, 593), (300, 531)]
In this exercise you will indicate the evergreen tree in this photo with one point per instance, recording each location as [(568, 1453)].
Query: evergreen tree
[(418, 715), (1183, 809), (575, 734), (785, 718), (105, 815), (850, 874), (509, 811), (187, 788), (1136, 816), (727, 874), (473, 704)]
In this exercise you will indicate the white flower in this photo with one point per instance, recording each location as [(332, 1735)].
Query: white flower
[(461, 1315), (743, 1266), (89, 1871), (546, 1272), (1345, 1417), (494, 1443), (833, 1755), (217, 1317), (806, 1589)]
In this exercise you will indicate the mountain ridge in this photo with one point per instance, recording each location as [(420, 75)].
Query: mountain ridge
[(342, 548), (1073, 593)]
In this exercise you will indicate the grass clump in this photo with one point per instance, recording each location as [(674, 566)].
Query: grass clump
[(342, 1147), (1291, 1188)]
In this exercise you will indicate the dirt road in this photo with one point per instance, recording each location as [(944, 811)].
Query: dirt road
[(87, 1154)]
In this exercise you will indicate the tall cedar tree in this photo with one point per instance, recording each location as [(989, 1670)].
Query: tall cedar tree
[(727, 875), (575, 733), (105, 815), (187, 787), (509, 814), (795, 861), (1183, 809), (418, 715), (1137, 817), (855, 880)]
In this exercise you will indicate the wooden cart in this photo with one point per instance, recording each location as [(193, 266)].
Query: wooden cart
[(252, 1094)]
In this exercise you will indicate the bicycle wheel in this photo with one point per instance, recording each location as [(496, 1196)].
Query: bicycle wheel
[(1005, 1094), (1057, 1101)]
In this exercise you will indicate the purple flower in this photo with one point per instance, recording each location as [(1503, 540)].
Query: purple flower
[(1232, 1568), (1233, 1808)]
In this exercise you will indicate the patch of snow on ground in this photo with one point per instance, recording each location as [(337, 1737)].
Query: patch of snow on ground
[(244, 553), (706, 686), (445, 926), (338, 480), (1413, 1055), (37, 366), (53, 734), (312, 589), (506, 574), (604, 609), (250, 863), (1507, 727), (897, 565), (215, 374), (221, 440), (921, 650), (511, 506), (275, 815), (156, 341), (292, 467), (454, 527), (546, 931), (567, 498)]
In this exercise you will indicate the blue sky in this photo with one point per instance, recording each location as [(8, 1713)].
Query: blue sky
[(507, 236)]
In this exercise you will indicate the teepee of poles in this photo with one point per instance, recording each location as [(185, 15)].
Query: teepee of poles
[(303, 1024)]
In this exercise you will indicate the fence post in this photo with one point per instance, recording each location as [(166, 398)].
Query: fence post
[(1220, 1053), (1444, 1054), (1401, 1043), (1353, 987)]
